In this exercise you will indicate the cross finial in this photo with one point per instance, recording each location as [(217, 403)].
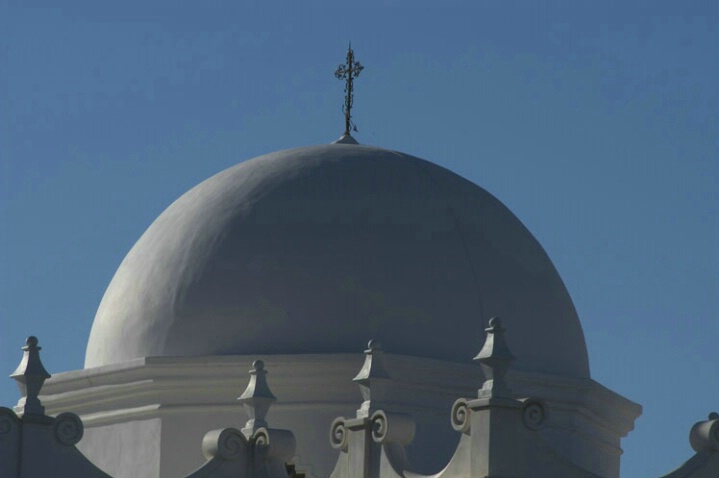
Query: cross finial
[(349, 71)]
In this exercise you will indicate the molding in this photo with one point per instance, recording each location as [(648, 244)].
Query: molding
[(422, 385)]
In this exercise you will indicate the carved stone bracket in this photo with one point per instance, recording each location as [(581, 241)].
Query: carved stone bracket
[(43, 446), (370, 444)]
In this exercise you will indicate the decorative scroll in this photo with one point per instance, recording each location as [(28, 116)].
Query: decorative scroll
[(68, 429), (338, 434), (279, 443), (9, 443), (227, 443), (261, 437), (379, 427), (704, 436), (460, 415), (400, 430), (534, 414), (9, 424)]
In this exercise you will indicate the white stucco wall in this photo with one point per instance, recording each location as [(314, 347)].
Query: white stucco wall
[(128, 449), (154, 412)]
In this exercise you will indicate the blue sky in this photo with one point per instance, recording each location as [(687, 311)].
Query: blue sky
[(596, 125)]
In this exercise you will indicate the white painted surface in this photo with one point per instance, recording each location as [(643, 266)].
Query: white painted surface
[(318, 249), (192, 395), (125, 449)]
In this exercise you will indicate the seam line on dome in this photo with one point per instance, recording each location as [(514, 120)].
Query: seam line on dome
[(421, 168)]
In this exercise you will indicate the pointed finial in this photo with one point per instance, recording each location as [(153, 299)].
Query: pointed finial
[(30, 376), (495, 359), (371, 375), (256, 399), (349, 71)]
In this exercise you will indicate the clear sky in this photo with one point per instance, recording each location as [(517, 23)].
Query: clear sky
[(595, 123)]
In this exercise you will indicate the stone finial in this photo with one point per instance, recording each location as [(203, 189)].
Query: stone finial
[(495, 359), (371, 374), (30, 375), (256, 399)]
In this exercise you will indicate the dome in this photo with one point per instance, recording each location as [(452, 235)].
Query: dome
[(315, 250)]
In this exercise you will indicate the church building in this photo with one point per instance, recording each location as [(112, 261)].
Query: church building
[(298, 258)]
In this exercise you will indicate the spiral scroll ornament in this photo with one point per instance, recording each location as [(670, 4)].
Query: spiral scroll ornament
[(338, 434), (460, 415), (230, 444), (534, 414), (392, 427), (704, 435), (9, 423), (226, 443), (379, 427), (68, 429), (275, 443), (261, 437)]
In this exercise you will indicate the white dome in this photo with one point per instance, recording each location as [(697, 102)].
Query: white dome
[(318, 249)]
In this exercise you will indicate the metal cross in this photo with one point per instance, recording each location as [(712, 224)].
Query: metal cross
[(349, 72)]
